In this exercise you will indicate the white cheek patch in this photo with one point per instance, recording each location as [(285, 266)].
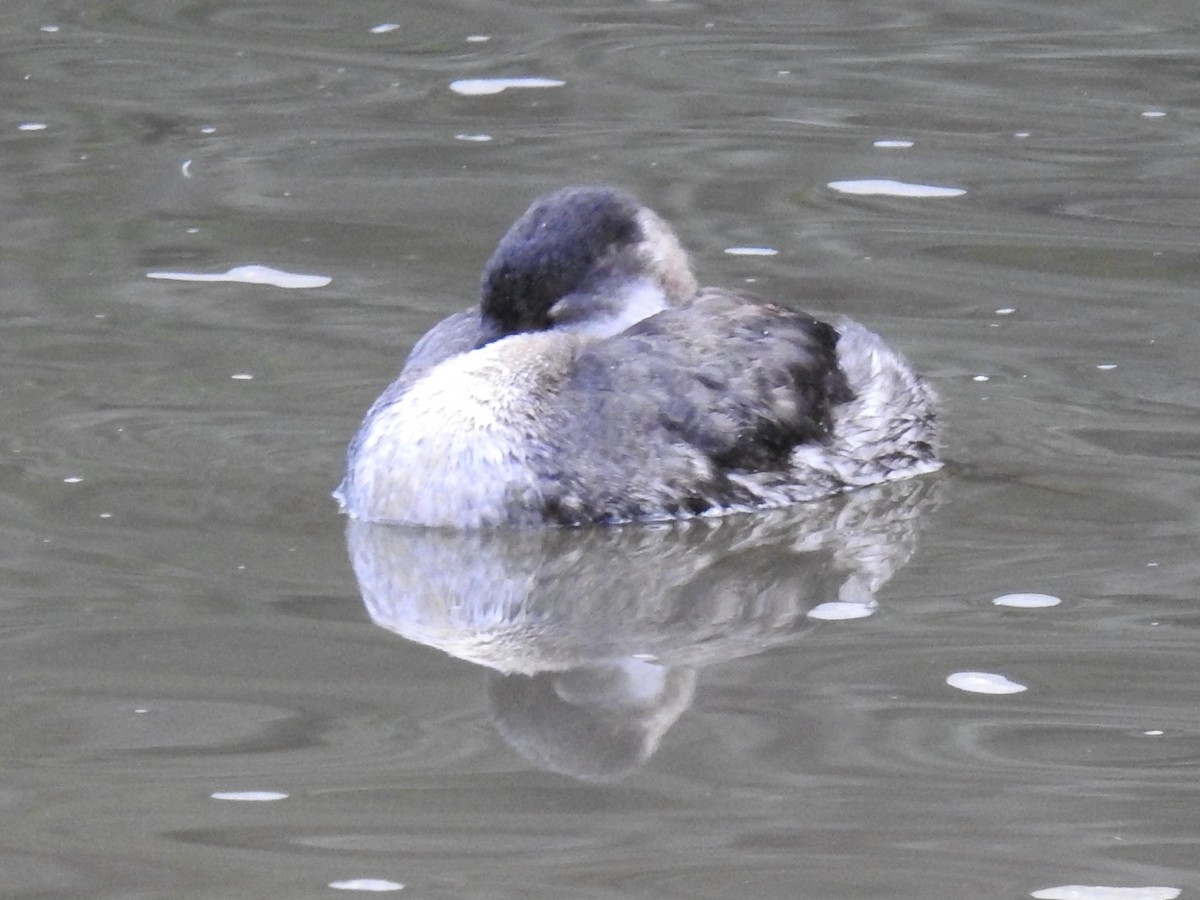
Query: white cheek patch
[(642, 302), (597, 316)]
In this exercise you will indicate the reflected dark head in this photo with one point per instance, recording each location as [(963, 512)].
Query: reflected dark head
[(567, 241), (584, 742)]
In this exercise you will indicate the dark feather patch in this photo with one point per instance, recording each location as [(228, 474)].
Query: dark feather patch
[(563, 241), (742, 382), (664, 412)]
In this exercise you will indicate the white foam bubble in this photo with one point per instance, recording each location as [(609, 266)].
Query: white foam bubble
[(891, 188), (480, 87), (366, 884), (32, 126), (250, 796), (474, 138), (751, 251), (842, 610), (984, 683), (1103, 892), (892, 144), (1027, 601), (384, 27), (254, 274)]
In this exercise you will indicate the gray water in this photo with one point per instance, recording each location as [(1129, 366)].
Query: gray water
[(755, 709)]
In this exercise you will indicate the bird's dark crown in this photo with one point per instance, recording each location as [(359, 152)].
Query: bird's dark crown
[(567, 242)]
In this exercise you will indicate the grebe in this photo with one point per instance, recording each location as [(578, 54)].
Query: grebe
[(596, 382)]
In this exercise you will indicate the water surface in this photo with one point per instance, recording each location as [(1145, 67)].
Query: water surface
[(181, 616)]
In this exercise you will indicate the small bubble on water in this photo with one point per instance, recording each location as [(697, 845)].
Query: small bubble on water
[(1027, 600), (1104, 892), (249, 796), (480, 87), (751, 251), (984, 683), (842, 611), (366, 884), (889, 187), (249, 274)]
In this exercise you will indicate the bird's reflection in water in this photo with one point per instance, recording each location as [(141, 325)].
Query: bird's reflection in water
[(593, 637)]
